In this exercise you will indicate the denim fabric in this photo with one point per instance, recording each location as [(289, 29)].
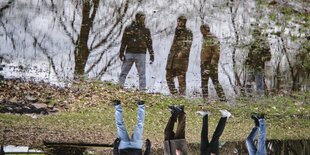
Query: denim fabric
[(261, 145), (259, 81), (258, 78), (136, 140), (139, 60)]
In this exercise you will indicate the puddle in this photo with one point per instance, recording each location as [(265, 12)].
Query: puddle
[(274, 147), (12, 149)]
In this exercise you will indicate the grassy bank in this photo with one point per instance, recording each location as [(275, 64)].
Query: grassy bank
[(87, 116)]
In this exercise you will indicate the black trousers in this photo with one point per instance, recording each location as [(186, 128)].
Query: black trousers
[(180, 131), (207, 147)]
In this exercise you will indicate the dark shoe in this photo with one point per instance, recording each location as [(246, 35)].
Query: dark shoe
[(174, 110), (116, 102), (261, 116), (254, 116), (180, 108), (139, 102)]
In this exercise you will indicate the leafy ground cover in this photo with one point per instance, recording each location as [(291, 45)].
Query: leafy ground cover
[(85, 114)]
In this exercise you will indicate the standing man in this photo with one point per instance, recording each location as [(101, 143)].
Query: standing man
[(179, 56), (136, 40), (210, 55), (259, 54)]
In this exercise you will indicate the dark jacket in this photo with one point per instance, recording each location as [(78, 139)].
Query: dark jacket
[(210, 51), (170, 146), (259, 53), (179, 53), (136, 39)]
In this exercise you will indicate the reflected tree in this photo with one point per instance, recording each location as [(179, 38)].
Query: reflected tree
[(88, 38), (5, 6), (292, 30), (81, 51)]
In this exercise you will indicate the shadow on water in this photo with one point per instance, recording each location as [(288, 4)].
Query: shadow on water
[(274, 147)]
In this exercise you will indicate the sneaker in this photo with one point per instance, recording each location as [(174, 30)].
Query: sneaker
[(180, 108), (174, 109), (254, 116), (202, 113), (225, 113), (116, 102), (257, 116), (139, 102), (261, 116)]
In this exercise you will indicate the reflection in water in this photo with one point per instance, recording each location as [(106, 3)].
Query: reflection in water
[(136, 40), (67, 39), (210, 55), (274, 147), (178, 57), (62, 150), (259, 54), (11, 149)]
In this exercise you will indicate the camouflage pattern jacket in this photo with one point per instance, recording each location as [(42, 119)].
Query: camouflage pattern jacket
[(210, 51), (136, 39), (259, 53), (179, 53)]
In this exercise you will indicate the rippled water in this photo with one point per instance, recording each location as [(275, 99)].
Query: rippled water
[(274, 147), (49, 41)]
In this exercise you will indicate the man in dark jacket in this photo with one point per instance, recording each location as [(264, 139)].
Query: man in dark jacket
[(259, 53), (127, 145), (135, 41), (212, 147), (178, 57), (175, 143), (210, 55)]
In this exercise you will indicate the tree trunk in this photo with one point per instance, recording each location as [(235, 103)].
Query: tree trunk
[(82, 50)]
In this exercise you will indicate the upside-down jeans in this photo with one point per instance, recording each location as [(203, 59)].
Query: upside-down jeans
[(136, 140), (261, 145)]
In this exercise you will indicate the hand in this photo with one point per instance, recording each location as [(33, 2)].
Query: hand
[(151, 59), (116, 143), (121, 56), (148, 144)]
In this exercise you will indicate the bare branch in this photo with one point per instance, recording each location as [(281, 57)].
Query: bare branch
[(8, 5)]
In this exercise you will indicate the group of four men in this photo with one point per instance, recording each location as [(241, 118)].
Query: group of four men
[(175, 142), (137, 40)]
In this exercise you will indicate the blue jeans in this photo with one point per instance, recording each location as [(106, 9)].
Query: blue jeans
[(258, 77), (139, 60), (261, 148), (136, 140)]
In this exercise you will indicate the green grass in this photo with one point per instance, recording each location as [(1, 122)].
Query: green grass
[(90, 118)]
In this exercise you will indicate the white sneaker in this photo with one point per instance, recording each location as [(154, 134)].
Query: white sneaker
[(225, 113), (203, 113)]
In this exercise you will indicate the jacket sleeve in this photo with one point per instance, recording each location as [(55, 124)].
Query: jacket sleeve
[(149, 42), (124, 41)]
